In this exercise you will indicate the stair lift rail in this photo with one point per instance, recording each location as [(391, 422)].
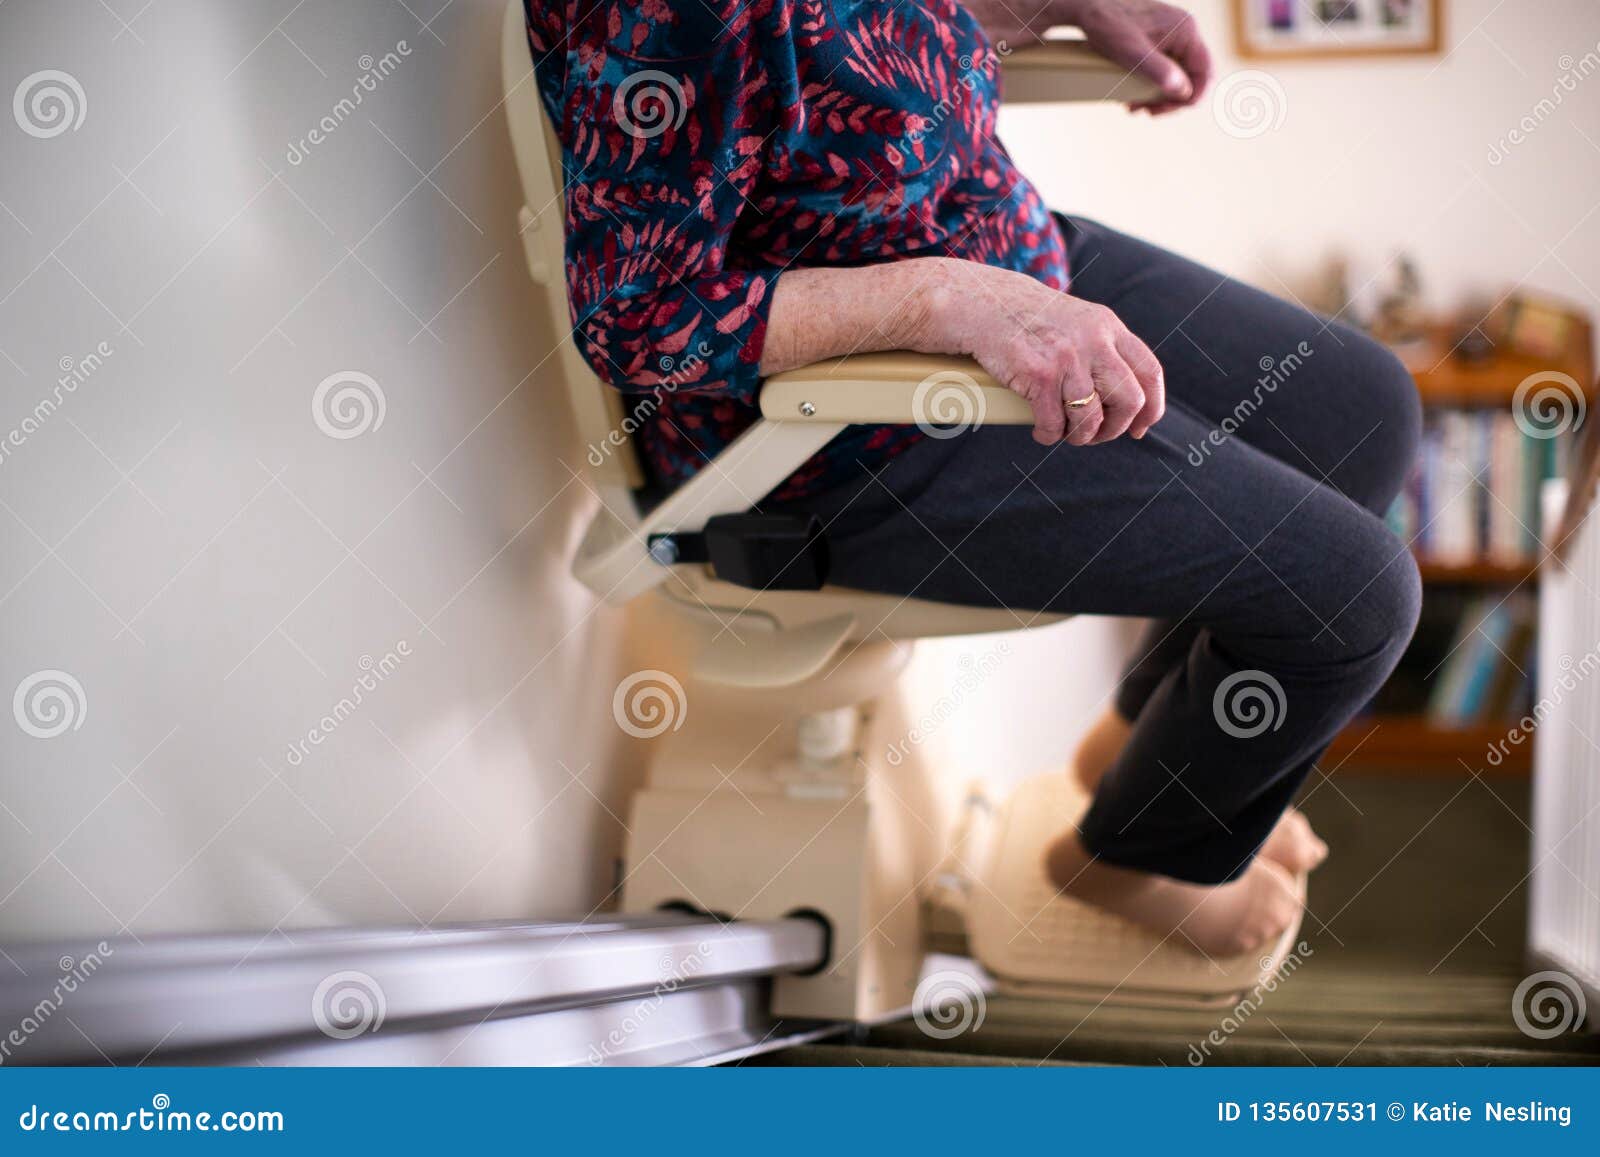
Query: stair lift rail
[(659, 989)]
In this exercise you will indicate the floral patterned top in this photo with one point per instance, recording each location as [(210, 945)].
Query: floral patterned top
[(711, 144)]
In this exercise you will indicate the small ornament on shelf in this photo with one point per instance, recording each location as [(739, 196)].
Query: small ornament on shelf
[(1402, 319), (1471, 332), (1328, 291)]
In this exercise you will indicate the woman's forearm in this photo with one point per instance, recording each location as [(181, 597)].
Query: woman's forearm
[(822, 313)]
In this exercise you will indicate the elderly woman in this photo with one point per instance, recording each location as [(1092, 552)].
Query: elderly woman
[(753, 185)]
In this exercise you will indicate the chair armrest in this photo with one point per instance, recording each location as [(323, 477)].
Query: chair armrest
[(1069, 70), (897, 388)]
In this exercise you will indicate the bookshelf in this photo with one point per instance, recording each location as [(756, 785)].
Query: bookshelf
[(1415, 739), (1412, 743), (1482, 572)]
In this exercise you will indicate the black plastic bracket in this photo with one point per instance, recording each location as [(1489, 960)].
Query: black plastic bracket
[(779, 552)]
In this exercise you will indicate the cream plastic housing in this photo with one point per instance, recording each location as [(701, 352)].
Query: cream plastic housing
[(1035, 941), (891, 388), (1062, 71)]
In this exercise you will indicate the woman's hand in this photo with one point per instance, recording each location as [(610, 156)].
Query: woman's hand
[(1050, 347), (1151, 39)]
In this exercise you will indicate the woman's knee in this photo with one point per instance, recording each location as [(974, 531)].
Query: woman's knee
[(1376, 594), (1335, 588)]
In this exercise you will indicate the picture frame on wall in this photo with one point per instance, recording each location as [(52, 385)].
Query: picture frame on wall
[(1312, 29)]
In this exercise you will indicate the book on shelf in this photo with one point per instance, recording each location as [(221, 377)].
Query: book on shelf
[(1473, 494), (1470, 662), (1485, 674)]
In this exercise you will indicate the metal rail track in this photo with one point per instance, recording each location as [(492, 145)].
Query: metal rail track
[(663, 989)]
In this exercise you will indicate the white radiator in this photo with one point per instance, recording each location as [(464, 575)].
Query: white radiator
[(1564, 909)]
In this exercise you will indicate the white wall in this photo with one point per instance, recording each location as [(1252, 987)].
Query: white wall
[(183, 539)]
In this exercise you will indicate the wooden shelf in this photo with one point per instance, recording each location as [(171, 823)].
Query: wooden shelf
[(1481, 572), (1444, 379), (1415, 743)]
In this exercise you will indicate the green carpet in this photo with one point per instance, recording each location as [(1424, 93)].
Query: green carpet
[(1415, 930)]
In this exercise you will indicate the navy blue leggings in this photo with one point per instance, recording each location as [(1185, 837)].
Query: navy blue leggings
[(1247, 524)]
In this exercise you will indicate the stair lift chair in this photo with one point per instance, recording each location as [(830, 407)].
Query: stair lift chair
[(780, 780)]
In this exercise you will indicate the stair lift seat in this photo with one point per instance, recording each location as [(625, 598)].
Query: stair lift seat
[(771, 795)]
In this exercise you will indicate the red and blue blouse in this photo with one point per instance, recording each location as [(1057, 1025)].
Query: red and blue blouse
[(709, 145)]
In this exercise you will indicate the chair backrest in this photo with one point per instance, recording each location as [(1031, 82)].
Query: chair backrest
[(597, 409)]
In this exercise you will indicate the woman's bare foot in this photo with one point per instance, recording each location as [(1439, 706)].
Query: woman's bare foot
[(1292, 844), (1229, 919)]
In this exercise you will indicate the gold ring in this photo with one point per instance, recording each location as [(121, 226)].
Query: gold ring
[(1080, 403)]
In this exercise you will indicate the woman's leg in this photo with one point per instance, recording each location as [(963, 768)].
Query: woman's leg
[(1317, 395), (1302, 599), (1292, 844)]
